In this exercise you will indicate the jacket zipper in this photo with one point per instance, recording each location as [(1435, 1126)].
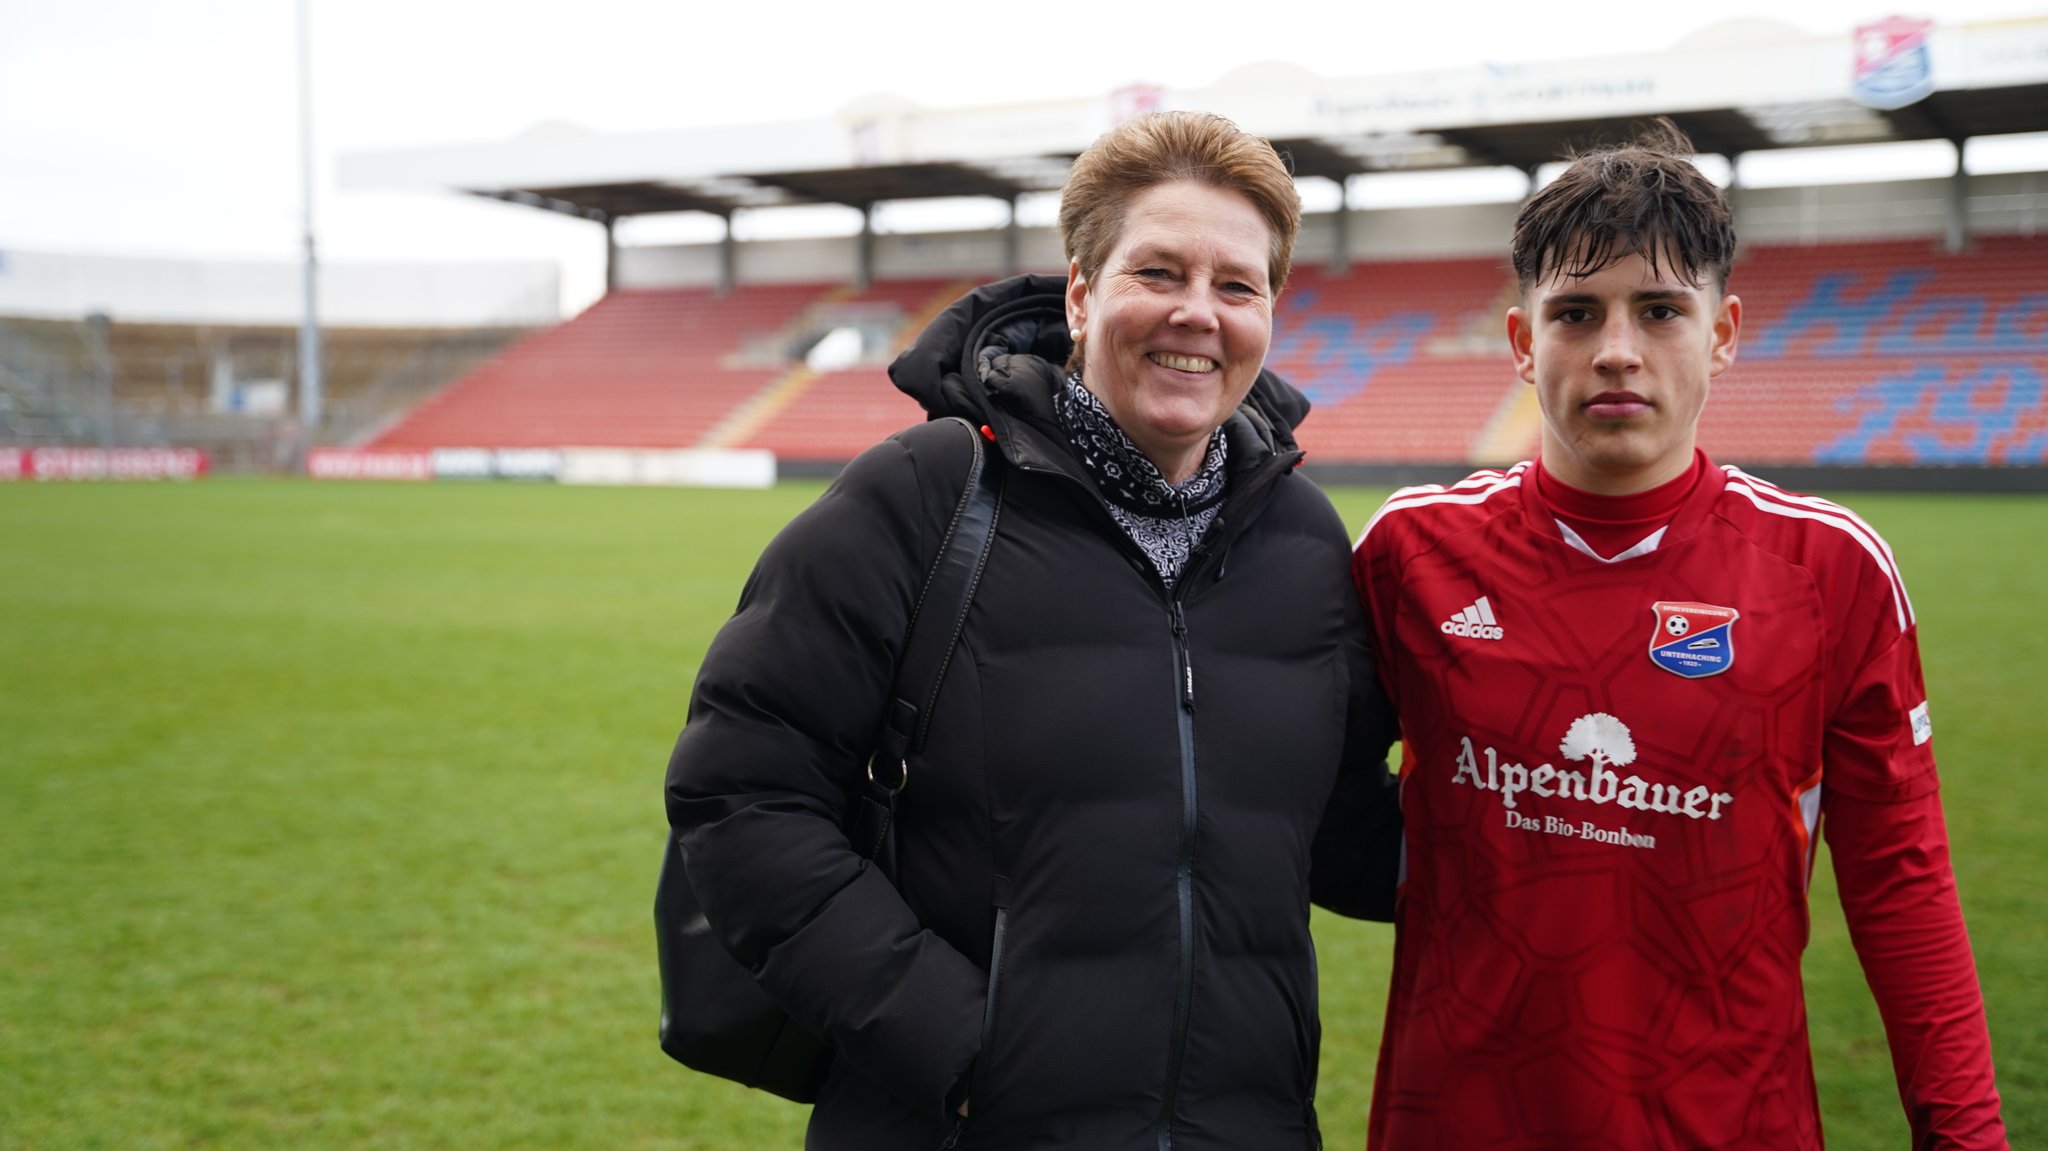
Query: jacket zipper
[(1000, 900), (1184, 674), (1184, 874)]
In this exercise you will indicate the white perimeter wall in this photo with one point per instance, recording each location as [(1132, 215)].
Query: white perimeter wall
[(1997, 204), (207, 291)]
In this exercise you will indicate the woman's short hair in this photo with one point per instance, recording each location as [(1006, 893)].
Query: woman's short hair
[(1161, 148), (1641, 198)]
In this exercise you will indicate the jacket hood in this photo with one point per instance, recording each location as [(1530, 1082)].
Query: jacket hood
[(1010, 337)]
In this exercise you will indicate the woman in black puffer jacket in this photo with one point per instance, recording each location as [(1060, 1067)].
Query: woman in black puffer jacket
[(1161, 681)]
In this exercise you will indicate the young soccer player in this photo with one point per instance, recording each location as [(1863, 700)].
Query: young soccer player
[(1635, 687)]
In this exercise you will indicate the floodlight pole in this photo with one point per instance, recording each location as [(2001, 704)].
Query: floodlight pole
[(309, 328)]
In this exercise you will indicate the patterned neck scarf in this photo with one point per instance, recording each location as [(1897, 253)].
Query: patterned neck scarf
[(1165, 520)]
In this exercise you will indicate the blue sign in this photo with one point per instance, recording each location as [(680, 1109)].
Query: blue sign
[(1892, 67)]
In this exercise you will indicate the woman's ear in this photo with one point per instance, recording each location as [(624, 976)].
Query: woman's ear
[(1077, 300)]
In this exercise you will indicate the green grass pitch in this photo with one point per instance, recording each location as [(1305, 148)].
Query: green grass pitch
[(329, 816)]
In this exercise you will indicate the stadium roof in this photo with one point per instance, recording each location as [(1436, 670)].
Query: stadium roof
[(1739, 87)]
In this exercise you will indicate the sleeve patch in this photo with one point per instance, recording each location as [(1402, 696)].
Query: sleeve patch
[(1923, 727)]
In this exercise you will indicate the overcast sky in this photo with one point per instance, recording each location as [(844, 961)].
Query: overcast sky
[(143, 127)]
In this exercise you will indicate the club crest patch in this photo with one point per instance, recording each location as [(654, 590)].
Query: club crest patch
[(1694, 640)]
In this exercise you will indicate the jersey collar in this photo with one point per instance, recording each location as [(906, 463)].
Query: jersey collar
[(1541, 518)]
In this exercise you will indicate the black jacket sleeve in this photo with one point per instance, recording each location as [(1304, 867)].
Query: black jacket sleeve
[(786, 708), (1356, 859)]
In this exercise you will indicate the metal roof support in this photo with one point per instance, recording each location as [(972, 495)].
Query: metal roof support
[(1340, 257), (1011, 240), (864, 266), (1958, 204), (102, 375), (611, 254), (728, 258), (1733, 192)]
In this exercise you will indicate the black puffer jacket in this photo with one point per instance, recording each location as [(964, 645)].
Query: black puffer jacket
[(1127, 781)]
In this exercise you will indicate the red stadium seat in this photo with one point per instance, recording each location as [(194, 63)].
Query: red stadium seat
[(1892, 352)]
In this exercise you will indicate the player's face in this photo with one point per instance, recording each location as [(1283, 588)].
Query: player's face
[(1176, 324), (1621, 361)]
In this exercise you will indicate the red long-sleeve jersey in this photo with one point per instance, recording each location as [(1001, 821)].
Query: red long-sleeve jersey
[(1616, 769)]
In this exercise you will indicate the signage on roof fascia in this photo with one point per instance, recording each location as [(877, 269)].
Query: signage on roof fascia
[(1705, 72), (1893, 67), (2007, 54)]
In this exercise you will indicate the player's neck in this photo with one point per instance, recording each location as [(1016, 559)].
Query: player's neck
[(1655, 504)]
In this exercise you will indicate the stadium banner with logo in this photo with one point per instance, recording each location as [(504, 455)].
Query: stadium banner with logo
[(351, 464), (1893, 67), (687, 467), (496, 463), (103, 463), (526, 464)]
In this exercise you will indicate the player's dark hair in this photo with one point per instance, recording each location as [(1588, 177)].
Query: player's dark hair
[(1642, 198)]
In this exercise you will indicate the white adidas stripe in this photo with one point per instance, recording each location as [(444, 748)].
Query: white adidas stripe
[(1809, 814), (1777, 501), (1862, 525), (1474, 489)]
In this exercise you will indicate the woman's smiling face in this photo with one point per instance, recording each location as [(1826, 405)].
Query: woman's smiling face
[(1176, 324)]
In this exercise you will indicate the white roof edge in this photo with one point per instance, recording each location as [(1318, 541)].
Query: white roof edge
[(1704, 70)]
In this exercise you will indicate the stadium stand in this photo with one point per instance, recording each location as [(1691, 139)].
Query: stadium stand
[(1403, 360), (841, 412), (686, 367), (187, 384), (1870, 353), (639, 369), (1889, 353)]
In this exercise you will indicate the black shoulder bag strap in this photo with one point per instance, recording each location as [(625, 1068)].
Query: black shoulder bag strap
[(928, 647), (714, 1018)]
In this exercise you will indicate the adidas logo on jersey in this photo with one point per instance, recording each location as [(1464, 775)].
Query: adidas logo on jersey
[(1475, 622)]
